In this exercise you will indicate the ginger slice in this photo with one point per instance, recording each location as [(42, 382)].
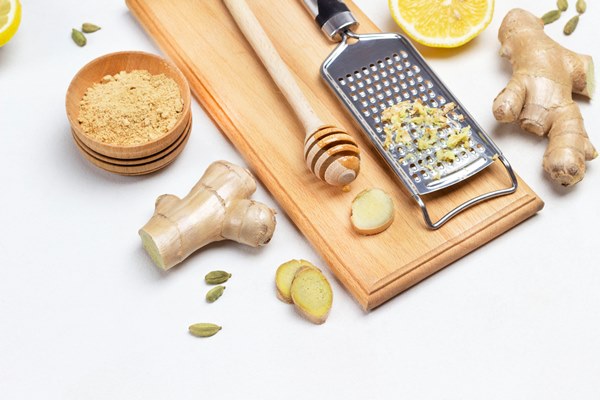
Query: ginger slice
[(285, 275), (372, 212), (311, 294)]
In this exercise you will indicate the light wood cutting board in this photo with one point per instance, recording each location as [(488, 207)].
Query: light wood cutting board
[(231, 84)]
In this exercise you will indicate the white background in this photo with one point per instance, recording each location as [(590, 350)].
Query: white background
[(84, 314)]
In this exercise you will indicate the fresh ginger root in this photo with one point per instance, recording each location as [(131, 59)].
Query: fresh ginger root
[(539, 94), (216, 208)]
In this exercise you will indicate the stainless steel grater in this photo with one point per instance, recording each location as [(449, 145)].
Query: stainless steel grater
[(371, 72)]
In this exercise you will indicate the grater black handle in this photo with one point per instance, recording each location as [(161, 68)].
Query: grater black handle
[(333, 17), (328, 9)]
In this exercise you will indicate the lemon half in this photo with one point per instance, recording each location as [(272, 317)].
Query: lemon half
[(442, 23), (10, 18)]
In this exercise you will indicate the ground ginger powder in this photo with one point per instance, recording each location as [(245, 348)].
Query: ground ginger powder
[(130, 108)]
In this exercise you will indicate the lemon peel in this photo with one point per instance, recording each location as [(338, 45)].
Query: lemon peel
[(10, 19)]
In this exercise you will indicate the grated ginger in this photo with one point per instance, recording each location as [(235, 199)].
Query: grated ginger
[(445, 155), (458, 138), (428, 139), (432, 123)]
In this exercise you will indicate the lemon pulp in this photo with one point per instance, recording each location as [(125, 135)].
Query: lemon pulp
[(442, 23)]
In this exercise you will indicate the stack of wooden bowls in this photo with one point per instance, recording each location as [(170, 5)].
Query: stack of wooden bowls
[(134, 159)]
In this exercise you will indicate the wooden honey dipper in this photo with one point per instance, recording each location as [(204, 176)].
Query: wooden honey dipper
[(330, 153)]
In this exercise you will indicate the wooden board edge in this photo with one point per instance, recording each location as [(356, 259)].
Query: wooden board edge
[(492, 227)]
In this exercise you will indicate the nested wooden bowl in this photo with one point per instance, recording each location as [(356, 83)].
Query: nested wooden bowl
[(139, 166), (176, 145), (111, 64)]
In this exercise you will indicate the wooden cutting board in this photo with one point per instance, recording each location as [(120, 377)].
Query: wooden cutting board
[(231, 84)]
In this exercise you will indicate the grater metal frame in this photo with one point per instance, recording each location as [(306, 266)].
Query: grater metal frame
[(355, 46)]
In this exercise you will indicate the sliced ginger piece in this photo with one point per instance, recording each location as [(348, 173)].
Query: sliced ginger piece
[(285, 275), (311, 294), (372, 212)]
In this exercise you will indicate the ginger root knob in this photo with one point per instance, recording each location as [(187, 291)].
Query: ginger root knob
[(217, 208), (539, 95)]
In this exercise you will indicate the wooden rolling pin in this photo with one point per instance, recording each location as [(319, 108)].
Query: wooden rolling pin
[(330, 153)]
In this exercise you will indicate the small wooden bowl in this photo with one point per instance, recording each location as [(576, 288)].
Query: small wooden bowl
[(134, 161), (111, 64), (152, 165)]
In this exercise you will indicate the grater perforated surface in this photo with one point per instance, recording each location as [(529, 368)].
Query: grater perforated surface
[(381, 70)]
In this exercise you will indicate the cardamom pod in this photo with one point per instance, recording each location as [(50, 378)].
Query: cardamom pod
[(88, 27), (78, 38), (217, 277), (580, 6), (551, 16), (571, 25), (213, 294), (562, 5), (204, 329)]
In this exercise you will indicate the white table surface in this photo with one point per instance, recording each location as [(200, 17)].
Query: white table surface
[(84, 314)]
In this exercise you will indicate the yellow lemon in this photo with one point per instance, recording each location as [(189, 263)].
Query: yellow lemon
[(442, 23), (10, 18)]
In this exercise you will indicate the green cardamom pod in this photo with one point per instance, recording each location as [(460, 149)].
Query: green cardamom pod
[(562, 5), (571, 25), (551, 16), (204, 329), (581, 6), (78, 38), (213, 294), (88, 27), (217, 277)]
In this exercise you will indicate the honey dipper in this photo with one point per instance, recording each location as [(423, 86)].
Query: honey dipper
[(330, 153)]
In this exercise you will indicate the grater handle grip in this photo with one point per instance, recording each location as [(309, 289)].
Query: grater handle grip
[(333, 17), (273, 62)]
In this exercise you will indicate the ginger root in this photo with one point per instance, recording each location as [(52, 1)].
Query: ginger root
[(539, 95), (216, 208)]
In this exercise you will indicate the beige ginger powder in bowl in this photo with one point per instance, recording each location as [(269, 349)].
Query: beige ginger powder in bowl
[(130, 108), (129, 105)]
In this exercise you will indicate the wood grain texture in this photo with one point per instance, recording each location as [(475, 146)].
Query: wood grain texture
[(230, 82), (257, 37), (330, 153)]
